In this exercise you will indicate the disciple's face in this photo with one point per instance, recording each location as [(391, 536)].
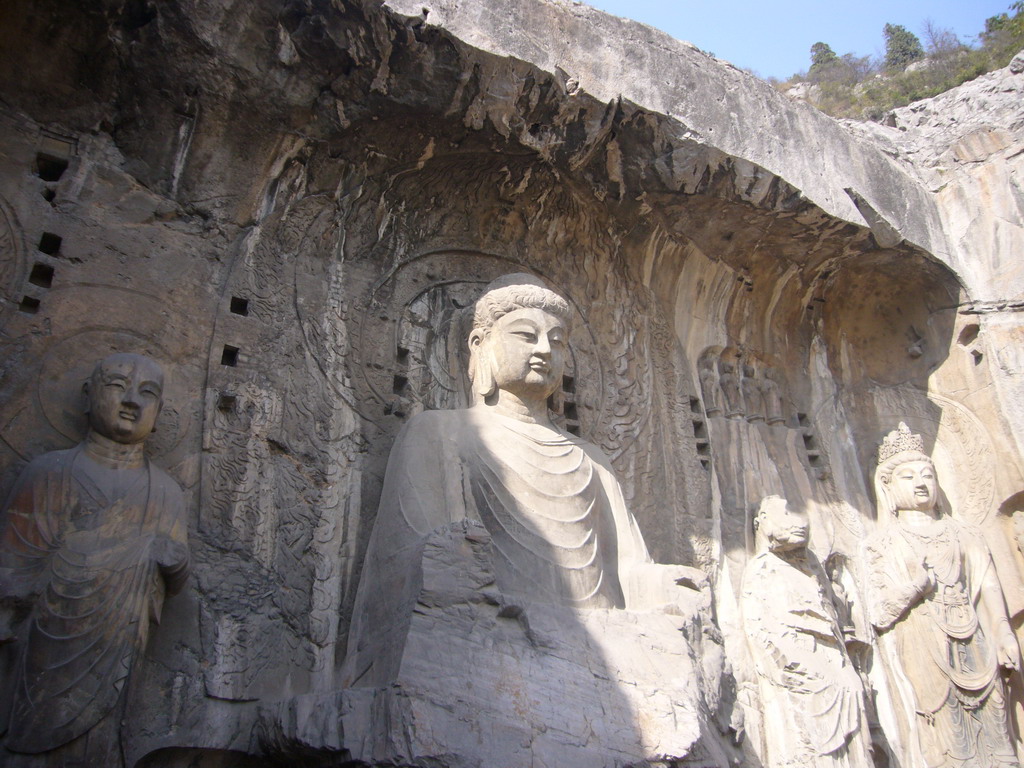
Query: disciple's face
[(528, 349), (124, 398), (784, 528), (913, 486)]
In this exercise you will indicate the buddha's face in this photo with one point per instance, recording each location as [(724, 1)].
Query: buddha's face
[(783, 528), (913, 486), (528, 349), (125, 397)]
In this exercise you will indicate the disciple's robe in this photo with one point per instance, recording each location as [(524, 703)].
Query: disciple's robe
[(76, 545), (811, 693)]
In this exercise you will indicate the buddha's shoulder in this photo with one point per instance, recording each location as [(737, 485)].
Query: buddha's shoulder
[(433, 426)]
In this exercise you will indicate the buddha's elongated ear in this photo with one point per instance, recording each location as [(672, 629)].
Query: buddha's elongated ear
[(481, 364)]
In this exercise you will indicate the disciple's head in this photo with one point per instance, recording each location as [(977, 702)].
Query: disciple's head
[(519, 339), (125, 395), (779, 528), (905, 476)]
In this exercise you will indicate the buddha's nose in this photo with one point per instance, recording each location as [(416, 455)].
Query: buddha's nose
[(543, 346)]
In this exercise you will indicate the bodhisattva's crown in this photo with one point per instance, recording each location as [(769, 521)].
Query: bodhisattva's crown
[(899, 440)]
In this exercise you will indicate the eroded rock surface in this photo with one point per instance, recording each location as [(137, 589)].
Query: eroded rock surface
[(289, 203)]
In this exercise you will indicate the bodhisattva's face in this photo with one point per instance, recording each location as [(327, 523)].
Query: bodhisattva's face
[(125, 397), (785, 529), (913, 486), (528, 348)]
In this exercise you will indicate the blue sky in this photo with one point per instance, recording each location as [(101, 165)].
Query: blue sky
[(774, 38)]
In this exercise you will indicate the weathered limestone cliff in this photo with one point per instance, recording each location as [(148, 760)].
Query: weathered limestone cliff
[(288, 203)]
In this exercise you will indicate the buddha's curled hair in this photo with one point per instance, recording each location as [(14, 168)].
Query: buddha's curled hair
[(517, 291)]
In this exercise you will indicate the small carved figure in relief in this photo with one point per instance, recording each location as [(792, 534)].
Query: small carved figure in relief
[(549, 500), (729, 382), (1018, 530), (811, 693), (772, 396), (937, 603), (92, 539), (709, 386), (750, 386)]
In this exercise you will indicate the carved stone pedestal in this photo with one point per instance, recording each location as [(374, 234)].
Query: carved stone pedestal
[(486, 683)]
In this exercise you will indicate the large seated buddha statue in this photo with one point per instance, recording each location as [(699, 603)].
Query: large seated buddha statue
[(558, 544), (560, 529)]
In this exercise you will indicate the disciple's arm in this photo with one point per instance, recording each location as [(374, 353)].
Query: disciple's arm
[(773, 639), (29, 533)]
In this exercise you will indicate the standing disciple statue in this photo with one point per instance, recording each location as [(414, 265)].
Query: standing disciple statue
[(936, 602), (750, 386), (729, 382), (92, 540), (811, 694), (559, 527), (772, 397), (709, 386)]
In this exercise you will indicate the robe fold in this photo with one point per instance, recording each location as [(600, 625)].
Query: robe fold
[(81, 555), (559, 526)]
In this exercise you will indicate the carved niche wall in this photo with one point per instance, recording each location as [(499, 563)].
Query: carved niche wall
[(337, 325)]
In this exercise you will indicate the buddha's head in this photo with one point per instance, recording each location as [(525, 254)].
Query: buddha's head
[(905, 476), (125, 395), (777, 527), (519, 339)]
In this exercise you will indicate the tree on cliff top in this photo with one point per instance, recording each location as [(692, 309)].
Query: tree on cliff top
[(1012, 25), (822, 55), (901, 46)]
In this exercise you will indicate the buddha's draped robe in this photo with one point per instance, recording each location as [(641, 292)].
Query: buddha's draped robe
[(78, 546), (559, 527)]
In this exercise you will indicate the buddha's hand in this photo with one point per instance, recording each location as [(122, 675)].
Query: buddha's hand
[(674, 589), (168, 553)]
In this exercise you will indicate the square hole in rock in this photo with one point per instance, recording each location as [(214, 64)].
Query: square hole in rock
[(50, 167), (28, 305), (41, 275), (239, 306), (49, 243), (229, 356)]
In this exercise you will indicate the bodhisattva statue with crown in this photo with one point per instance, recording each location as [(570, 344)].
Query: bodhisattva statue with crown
[(559, 527), (935, 599)]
